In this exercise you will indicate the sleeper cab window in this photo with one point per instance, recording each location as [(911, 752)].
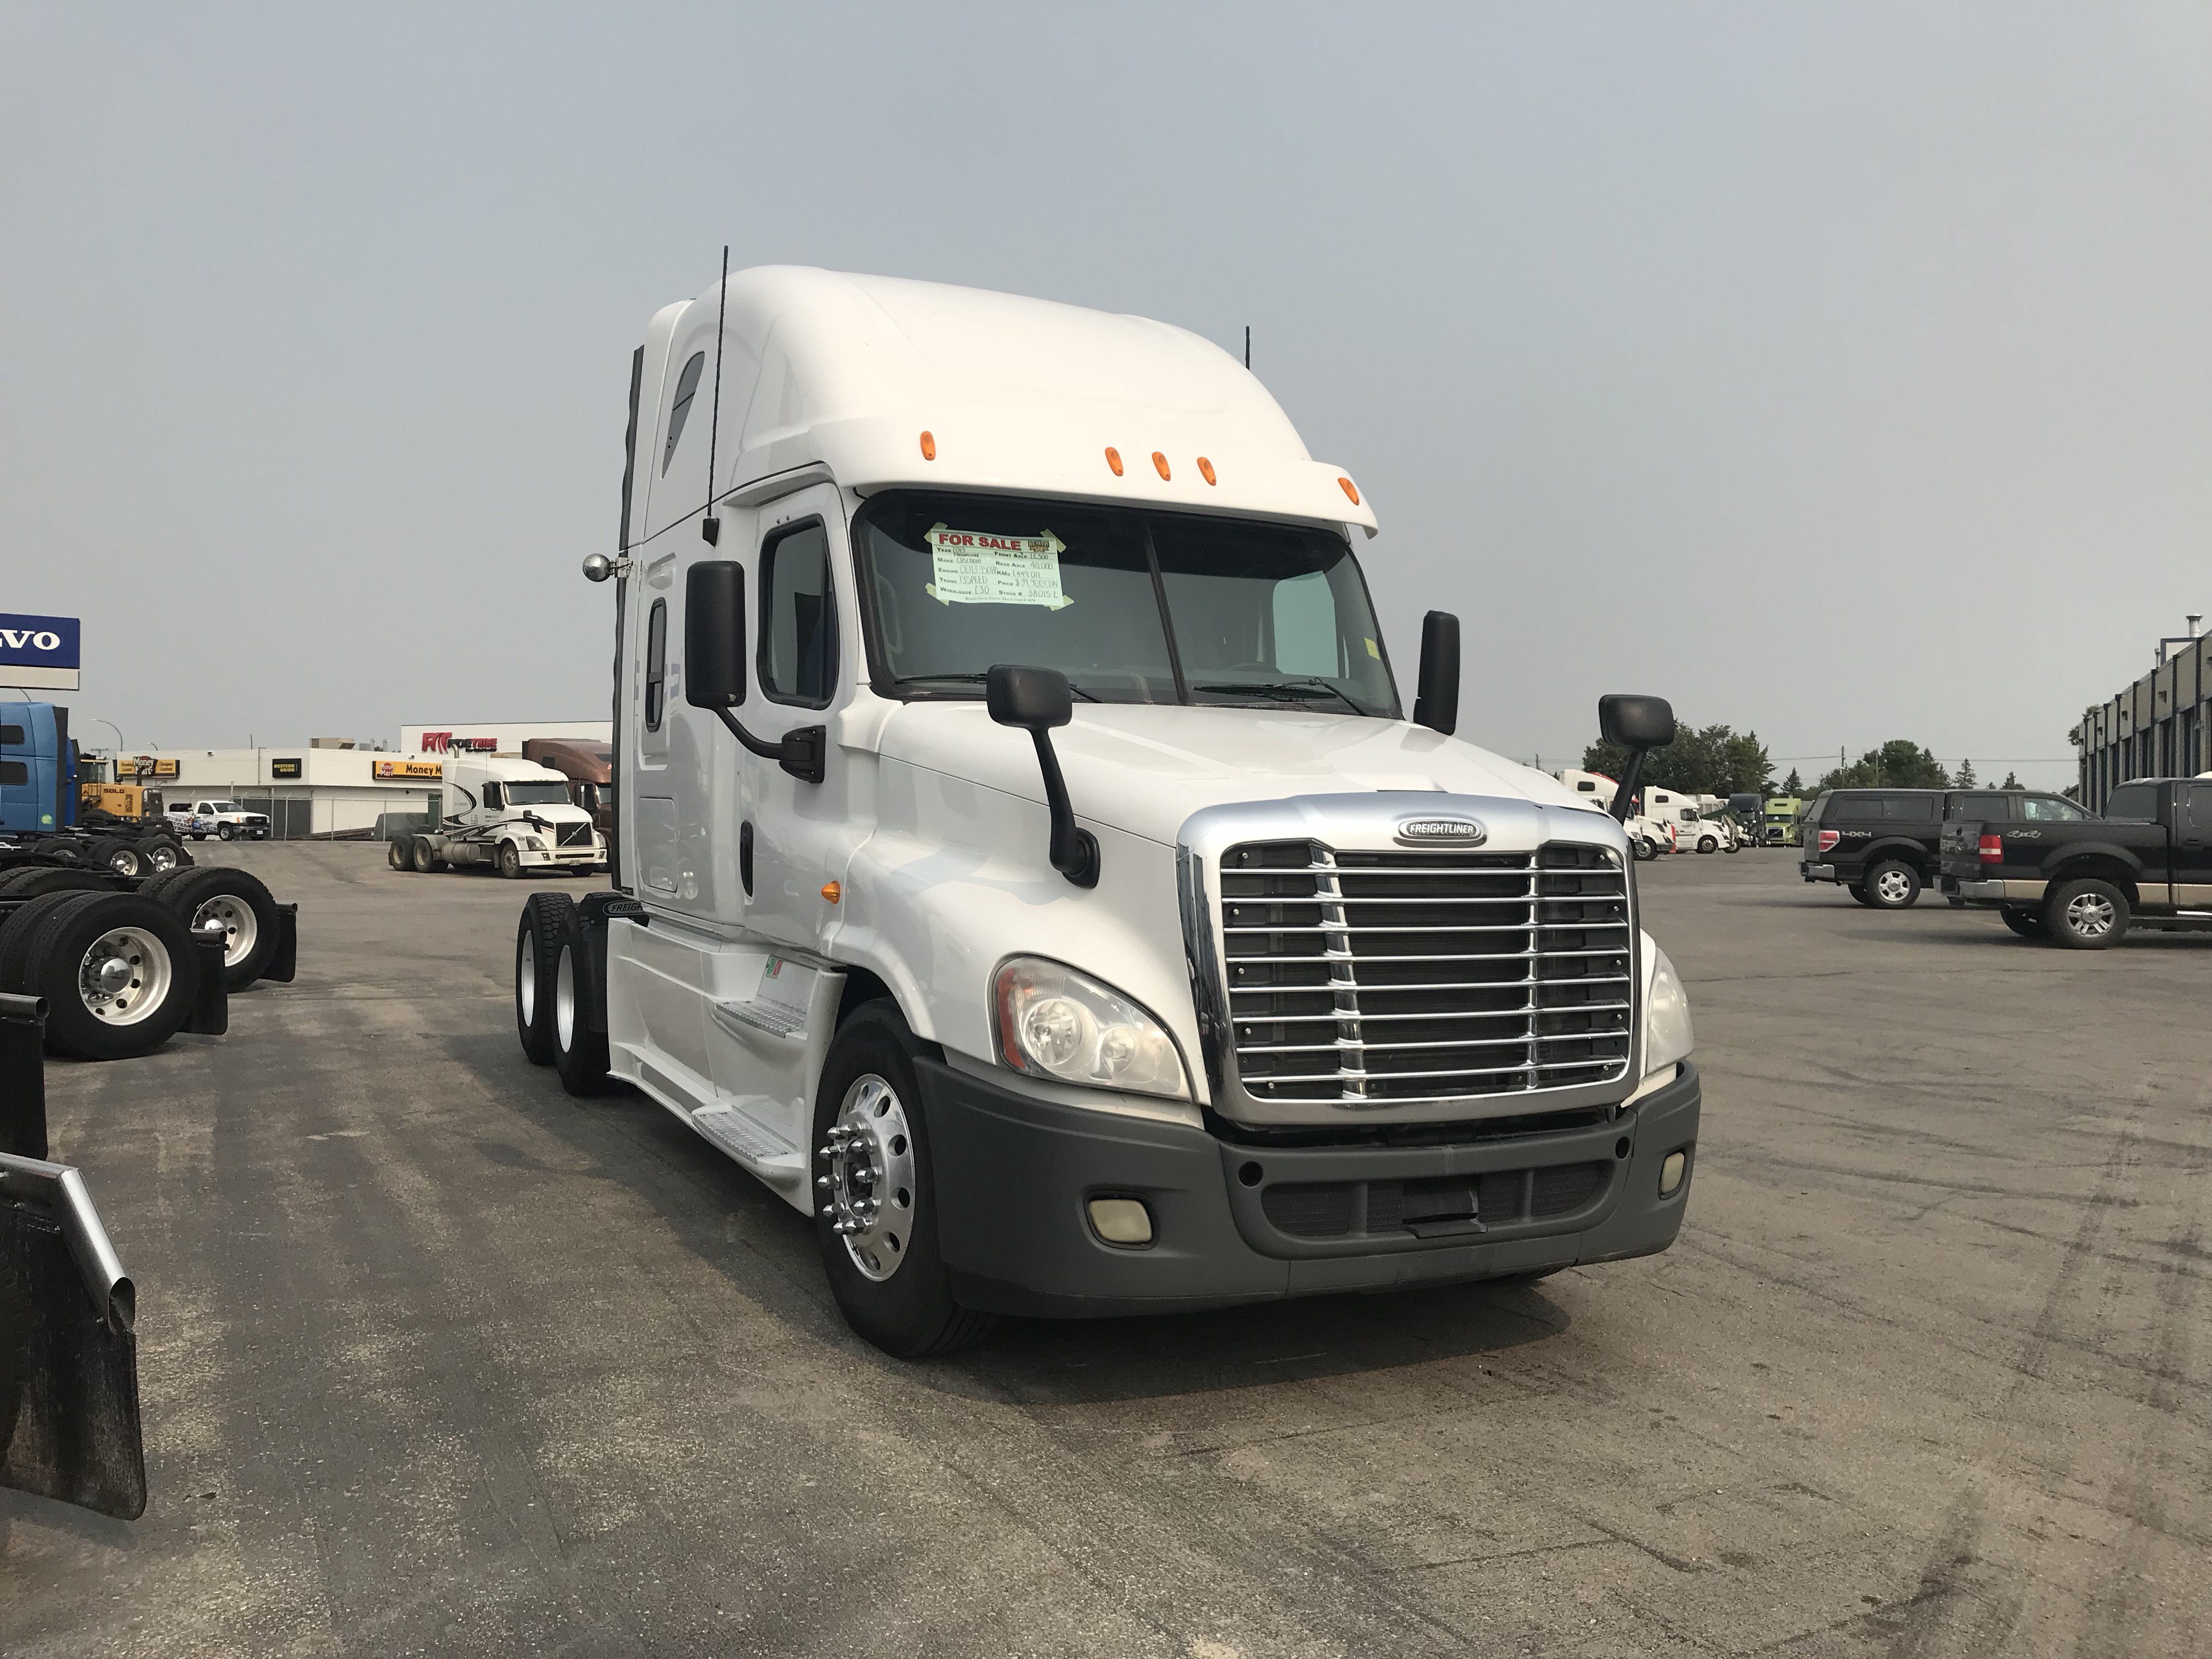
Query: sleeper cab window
[(687, 387), (656, 663), (798, 617)]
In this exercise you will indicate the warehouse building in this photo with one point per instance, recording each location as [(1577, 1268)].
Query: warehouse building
[(2155, 728)]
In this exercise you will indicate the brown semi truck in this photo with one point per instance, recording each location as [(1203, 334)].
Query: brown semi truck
[(590, 769)]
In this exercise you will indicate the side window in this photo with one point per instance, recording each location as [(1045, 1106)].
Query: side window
[(494, 798), (799, 618), (1909, 809), (2200, 809), (1989, 809), (11, 734), (2049, 809), (656, 663), (14, 772), (687, 388)]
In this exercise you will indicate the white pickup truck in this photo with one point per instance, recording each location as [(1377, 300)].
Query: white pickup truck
[(198, 818), (1026, 865)]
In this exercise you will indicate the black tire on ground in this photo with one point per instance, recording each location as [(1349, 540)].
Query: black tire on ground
[(123, 858), (1646, 849), (510, 860), (1708, 844), (537, 959), (226, 832), (1893, 885), (905, 1305), (424, 855), (118, 973), (2028, 923), (237, 900), (579, 1054), (1857, 891), (50, 878), (2086, 916), (399, 853), (18, 930)]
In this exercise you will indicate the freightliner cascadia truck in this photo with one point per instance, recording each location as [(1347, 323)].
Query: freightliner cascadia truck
[(1027, 866)]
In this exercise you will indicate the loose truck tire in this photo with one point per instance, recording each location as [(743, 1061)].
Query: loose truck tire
[(2028, 923), (536, 962), (30, 884), (579, 1054), (1893, 885), (118, 973), (871, 1160), (399, 854), (2086, 916), (510, 860), (235, 899)]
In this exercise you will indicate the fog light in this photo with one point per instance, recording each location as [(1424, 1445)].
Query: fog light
[(1121, 1220), (1671, 1172)]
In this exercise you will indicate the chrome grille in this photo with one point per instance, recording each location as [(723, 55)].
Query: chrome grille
[(1388, 976)]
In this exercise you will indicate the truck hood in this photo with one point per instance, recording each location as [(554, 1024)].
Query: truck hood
[(1145, 769)]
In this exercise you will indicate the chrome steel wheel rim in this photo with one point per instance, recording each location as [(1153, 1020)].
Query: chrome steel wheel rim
[(525, 979), (1893, 885), (235, 917), (123, 860), (123, 976), (2090, 914), (162, 857), (867, 1186), (564, 999)]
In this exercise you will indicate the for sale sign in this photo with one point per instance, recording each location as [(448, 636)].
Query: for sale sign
[(39, 652)]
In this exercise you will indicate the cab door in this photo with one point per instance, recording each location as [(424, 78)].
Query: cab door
[(795, 837), (2192, 845)]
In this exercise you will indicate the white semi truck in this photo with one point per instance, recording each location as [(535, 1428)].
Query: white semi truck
[(504, 813), (1026, 865)]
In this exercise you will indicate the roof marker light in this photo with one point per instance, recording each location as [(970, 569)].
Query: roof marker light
[(1205, 469), (929, 446), (1114, 459), (832, 891), (1350, 489), (1160, 464)]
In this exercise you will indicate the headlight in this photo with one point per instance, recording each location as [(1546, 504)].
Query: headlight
[(535, 843), (1667, 1036), (1057, 1023)]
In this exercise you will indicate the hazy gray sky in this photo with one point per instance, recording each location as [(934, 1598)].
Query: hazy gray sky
[(1842, 371)]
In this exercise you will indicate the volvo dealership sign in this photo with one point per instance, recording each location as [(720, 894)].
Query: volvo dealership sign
[(39, 652)]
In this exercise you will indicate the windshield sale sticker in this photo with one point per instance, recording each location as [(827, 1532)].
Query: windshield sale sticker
[(974, 567)]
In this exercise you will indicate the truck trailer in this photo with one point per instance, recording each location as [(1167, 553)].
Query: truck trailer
[(1030, 867)]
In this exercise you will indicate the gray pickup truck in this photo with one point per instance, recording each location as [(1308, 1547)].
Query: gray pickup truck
[(2083, 885)]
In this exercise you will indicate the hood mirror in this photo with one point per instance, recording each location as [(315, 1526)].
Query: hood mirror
[(1035, 700), (1639, 725)]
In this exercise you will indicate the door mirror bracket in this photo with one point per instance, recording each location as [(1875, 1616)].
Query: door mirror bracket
[(715, 666), (1639, 725), (1036, 699)]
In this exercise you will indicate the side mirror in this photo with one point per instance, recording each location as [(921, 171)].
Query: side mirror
[(1035, 700), (714, 634), (1633, 723), (1638, 725), (1436, 698)]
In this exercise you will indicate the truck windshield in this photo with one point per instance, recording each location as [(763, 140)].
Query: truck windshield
[(223, 807), (1132, 606), (537, 794)]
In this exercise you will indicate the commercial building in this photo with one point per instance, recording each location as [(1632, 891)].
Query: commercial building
[(305, 789), (497, 737), (2155, 728)]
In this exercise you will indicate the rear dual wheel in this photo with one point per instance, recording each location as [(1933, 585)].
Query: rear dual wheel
[(235, 901), (118, 971)]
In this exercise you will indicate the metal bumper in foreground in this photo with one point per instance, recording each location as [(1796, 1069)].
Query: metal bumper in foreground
[(1237, 1222)]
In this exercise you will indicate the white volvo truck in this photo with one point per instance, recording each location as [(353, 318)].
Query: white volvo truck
[(504, 813), (1026, 866)]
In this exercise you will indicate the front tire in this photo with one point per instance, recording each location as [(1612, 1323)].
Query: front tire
[(226, 832), (1707, 844), (1646, 849), (2086, 916), (1893, 885), (876, 1219), (510, 860)]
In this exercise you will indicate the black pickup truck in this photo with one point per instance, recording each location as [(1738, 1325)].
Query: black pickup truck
[(1881, 846), (2082, 883)]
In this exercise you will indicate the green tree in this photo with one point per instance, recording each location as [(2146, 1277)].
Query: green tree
[(1963, 777), (1793, 786), (1712, 760), (2012, 781), (1900, 763)]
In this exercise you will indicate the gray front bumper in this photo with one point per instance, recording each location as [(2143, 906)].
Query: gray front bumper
[(1014, 1173)]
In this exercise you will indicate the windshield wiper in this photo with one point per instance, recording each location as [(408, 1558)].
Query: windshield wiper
[(1299, 691), (978, 679)]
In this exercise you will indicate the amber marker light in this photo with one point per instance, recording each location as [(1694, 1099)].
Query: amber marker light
[(832, 891), (1114, 459), (1205, 469), (1159, 463), (929, 454), (1350, 489)]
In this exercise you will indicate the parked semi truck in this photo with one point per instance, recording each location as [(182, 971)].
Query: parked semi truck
[(503, 813), (1029, 867), (590, 769), (56, 806)]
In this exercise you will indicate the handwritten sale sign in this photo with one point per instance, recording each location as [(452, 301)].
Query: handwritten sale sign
[(976, 567)]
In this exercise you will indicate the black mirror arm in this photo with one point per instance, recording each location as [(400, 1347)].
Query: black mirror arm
[(802, 753), (1632, 779), (1074, 851)]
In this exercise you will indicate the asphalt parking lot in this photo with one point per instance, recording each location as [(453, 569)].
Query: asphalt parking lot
[(437, 1360)]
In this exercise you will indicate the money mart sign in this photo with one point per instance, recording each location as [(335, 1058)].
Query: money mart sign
[(39, 652)]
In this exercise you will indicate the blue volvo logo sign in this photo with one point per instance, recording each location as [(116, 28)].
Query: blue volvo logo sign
[(38, 652)]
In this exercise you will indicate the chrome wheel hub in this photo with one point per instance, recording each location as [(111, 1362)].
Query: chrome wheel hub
[(1893, 886), (2090, 914), (234, 917), (123, 976), (867, 1183), (525, 981)]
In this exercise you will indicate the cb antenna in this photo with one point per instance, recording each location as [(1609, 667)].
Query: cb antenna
[(710, 527), (1248, 345)]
